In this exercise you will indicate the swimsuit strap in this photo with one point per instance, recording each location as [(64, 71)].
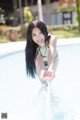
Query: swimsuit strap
[(43, 51)]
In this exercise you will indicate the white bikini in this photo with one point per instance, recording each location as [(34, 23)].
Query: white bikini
[(43, 51)]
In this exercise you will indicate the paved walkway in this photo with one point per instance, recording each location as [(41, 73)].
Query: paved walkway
[(7, 48)]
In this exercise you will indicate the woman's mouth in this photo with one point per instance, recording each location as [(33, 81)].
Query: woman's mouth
[(39, 40)]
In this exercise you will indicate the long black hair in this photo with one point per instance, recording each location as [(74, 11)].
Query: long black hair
[(31, 46)]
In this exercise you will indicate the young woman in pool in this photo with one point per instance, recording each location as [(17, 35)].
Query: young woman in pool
[(42, 60), (41, 53)]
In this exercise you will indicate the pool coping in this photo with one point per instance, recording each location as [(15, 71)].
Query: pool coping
[(11, 47)]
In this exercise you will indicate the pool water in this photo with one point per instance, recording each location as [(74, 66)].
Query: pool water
[(16, 88)]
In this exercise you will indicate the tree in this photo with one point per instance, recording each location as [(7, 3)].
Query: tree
[(70, 6), (2, 20), (27, 14), (78, 13)]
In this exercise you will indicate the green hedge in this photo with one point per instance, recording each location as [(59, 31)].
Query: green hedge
[(4, 33), (62, 27)]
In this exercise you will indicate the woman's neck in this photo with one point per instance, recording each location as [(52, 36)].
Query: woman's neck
[(42, 45)]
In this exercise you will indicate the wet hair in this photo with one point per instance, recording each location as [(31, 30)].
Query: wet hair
[(31, 46)]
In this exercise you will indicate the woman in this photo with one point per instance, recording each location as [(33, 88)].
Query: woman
[(41, 53), (42, 60)]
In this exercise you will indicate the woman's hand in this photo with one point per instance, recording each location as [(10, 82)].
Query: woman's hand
[(47, 75), (50, 75), (42, 75)]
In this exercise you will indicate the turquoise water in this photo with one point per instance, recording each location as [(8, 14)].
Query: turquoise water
[(16, 88)]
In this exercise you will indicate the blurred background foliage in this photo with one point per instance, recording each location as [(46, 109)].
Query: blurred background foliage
[(61, 31)]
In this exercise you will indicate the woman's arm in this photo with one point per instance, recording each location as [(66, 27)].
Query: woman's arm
[(39, 63), (40, 66), (43, 73), (52, 47)]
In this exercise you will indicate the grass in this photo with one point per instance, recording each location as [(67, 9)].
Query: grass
[(66, 34), (5, 39)]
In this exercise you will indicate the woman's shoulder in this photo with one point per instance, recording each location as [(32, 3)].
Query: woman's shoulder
[(53, 39)]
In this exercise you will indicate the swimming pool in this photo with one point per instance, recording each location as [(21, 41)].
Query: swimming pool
[(16, 87)]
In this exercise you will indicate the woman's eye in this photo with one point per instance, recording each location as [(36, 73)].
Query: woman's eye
[(40, 32), (33, 35)]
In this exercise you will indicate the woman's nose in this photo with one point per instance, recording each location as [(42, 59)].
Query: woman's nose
[(38, 36)]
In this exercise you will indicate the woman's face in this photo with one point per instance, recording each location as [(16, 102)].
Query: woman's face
[(37, 36)]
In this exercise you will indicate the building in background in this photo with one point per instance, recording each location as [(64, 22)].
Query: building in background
[(51, 14)]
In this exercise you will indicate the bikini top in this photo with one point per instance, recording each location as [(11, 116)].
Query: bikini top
[(43, 51)]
